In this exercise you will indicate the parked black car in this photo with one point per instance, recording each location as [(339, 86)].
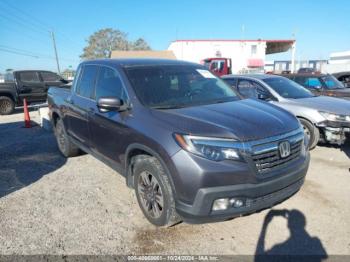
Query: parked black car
[(343, 77), (321, 84), (30, 84), (183, 139)]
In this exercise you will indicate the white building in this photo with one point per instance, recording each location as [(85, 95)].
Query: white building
[(338, 62), (246, 55)]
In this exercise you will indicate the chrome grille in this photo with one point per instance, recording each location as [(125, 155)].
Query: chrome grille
[(266, 157)]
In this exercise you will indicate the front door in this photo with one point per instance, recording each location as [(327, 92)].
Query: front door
[(30, 87), (108, 129)]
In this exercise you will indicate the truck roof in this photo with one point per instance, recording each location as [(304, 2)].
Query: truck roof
[(128, 62), (32, 70)]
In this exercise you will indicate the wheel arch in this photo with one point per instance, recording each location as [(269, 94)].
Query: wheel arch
[(9, 95), (140, 149), (55, 115)]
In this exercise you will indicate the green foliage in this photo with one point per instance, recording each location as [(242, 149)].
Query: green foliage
[(104, 41)]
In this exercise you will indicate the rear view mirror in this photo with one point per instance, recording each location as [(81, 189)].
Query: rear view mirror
[(109, 104)]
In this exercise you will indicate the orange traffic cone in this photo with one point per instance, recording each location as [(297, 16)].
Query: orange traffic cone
[(26, 114)]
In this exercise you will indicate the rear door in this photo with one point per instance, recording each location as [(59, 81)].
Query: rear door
[(30, 86), (81, 103), (108, 129)]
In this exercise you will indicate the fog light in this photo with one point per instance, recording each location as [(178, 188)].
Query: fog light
[(221, 204), (236, 203)]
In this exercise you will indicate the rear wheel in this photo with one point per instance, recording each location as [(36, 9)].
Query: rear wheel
[(153, 191), (311, 132), (66, 147), (7, 105)]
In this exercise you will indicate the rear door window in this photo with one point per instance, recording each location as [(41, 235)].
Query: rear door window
[(87, 81)]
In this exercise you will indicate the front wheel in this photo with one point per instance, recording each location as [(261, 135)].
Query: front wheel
[(311, 132), (153, 192), (7, 105)]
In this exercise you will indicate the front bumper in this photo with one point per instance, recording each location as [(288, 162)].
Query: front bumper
[(335, 132), (256, 196)]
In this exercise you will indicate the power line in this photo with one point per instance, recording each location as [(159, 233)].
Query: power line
[(33, 54), (17, 53), (36, 20), (24, 34), (46, 28), (22, 23), (32, 23)]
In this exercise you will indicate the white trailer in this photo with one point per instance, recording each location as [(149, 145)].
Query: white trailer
[(246, 55)]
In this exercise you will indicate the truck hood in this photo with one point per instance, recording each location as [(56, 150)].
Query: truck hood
[(243, 120), (324, 103)]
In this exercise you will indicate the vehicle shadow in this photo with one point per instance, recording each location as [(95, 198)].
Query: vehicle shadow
[(26, 155), (300, 246)]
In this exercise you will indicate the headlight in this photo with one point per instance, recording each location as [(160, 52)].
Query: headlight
[(335, 117), (216, 149)]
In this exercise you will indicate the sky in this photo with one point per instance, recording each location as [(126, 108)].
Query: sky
[(320, 27)]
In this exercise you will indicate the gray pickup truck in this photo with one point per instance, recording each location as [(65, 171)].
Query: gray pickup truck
[(191, 148), (325, 119)]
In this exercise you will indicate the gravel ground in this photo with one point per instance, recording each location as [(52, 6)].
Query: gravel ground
[(50, 205)]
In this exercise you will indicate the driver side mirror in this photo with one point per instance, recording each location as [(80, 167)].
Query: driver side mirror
[(106, 104)]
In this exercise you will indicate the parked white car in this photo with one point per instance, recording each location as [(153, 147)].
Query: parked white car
[(324, 118)]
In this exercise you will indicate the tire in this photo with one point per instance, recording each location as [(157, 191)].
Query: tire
[(311, 131), (66, 147), (153, 191), (7, 105)]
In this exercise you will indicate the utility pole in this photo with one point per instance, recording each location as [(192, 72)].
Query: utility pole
[(54, 46)]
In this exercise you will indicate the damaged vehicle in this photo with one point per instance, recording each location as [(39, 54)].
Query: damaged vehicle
[(324, 119)]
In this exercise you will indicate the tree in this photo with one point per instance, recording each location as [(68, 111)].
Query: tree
[(140, 44), (104, 41)]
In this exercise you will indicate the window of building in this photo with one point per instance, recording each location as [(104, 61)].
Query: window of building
[(254, 49)]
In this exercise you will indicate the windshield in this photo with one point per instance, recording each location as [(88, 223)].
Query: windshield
[(287, 88), (331, 82), (178, 86)]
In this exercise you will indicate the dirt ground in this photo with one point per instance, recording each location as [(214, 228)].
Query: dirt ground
[(50, 205)]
